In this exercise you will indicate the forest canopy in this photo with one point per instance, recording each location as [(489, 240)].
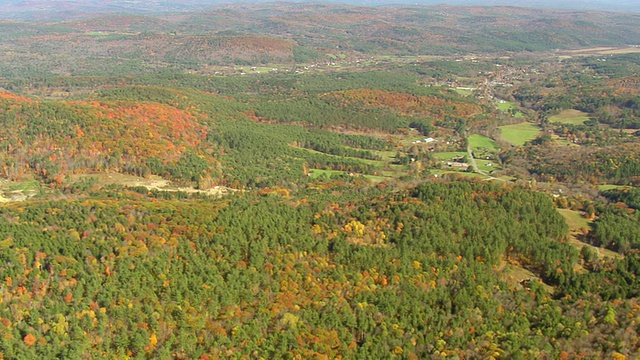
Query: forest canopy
[(321, 181)]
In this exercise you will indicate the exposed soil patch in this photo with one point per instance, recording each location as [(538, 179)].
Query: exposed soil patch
[(152, 183)]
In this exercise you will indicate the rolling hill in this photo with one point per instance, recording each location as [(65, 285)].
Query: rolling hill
[(38, 10), (291, 33), (294, 180)]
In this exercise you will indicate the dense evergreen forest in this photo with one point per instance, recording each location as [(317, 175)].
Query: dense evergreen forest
[(392, 182), (413, 274)]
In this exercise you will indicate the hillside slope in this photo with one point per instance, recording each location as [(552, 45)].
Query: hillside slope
[(289, 34)]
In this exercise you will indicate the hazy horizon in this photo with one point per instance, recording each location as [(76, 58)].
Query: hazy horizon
[(65, 9)]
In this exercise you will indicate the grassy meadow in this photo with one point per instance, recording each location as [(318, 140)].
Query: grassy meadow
[(571, 117), (518, 134)]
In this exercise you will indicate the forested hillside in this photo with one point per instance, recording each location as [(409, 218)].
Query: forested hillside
[(321, 181), (286, 34), (39, 10), (411, 274)]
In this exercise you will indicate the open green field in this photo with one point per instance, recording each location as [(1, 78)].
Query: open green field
[(571, 116), (483, 165), (518, 134), (575, 219), (340, 156), (605, 187), (463, 92), (462, 173), (449, 155), (506, 105), (388, 156), (410, 140), (377, 163), (509, 106), (482, 142), (576, 222), (316, 173), (254, 69), (386, 162), (385, 156)]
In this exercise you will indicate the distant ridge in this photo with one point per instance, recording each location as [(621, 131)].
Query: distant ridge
[(602, 5), (293, 33), (34, 10)]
